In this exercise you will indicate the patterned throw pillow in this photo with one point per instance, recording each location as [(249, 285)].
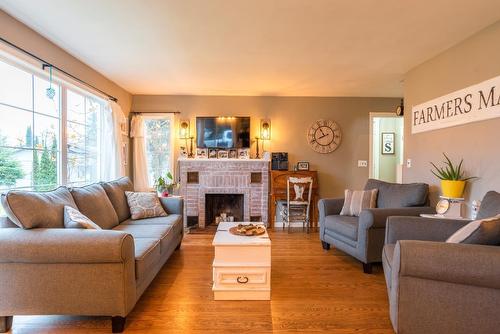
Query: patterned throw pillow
[(144, 205), (358, 200), (75, 219), (480, 232)]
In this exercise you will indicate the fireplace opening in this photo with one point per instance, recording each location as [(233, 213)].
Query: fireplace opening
[(223, 207)]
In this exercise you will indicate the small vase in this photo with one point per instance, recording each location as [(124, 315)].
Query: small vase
[(452, 188)]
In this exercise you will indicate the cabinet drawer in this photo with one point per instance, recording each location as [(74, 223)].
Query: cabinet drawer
[(242, 277)]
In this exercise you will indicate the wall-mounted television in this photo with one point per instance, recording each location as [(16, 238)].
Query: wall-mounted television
[(223, 132)]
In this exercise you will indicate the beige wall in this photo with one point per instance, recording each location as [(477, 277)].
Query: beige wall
[(290, 118), (28, 39), (470, 62)]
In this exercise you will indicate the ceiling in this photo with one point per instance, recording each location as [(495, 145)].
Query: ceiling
[(256, 47)]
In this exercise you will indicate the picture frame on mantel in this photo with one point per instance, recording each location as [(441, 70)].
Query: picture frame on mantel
[(388, 143), (243, 153), (303, 165)]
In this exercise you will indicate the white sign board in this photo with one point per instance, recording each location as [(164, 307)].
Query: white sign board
[(471, 104)]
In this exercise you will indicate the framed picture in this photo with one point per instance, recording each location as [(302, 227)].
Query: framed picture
[(124, 154), (388, 143), (202, 153), (222, 154), (243, 153), (303, 165), (212, 153), (233, 154), (183, 153)]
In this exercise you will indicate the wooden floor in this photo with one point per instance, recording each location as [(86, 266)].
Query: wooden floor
[(312, 291)]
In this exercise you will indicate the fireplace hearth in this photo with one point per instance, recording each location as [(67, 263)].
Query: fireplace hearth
[(220, 207)]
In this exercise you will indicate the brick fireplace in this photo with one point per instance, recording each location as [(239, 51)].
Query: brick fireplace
[(249, 178)]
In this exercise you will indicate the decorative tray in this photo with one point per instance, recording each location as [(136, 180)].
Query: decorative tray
[(247, 230)]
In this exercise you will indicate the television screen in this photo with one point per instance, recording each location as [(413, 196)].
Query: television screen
[(223, 132)]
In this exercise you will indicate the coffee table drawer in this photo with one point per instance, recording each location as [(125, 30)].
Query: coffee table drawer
[(242, 277)]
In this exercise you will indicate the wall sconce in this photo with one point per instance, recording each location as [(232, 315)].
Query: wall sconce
[(185, 134), (184, 129), (265, 129)]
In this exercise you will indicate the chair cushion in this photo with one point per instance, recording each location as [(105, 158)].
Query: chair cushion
[(343, 225), (356, 201), (480, 232), (93, 202), (116, 193), (168, 220), (159, 232), (147, 254), (395, 195), (388, 255), (490, 205), (30, 209), (75, 219), (144, 205)]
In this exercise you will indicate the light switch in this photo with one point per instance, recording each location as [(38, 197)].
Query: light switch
[(408, 163), (362, 163)]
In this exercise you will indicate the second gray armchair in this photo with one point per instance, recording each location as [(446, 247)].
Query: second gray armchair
[(363, 236)]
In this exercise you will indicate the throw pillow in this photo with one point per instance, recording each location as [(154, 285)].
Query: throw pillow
[(75, 219), (144, 205), (481, 232), (30, 209), (357, 200)]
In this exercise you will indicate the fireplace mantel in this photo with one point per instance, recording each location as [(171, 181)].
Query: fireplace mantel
[(249, 177)]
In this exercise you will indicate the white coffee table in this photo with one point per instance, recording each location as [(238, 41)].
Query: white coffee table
[(242, 265)]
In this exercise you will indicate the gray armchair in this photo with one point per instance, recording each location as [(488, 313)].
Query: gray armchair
[(438, 287), (363, 236)]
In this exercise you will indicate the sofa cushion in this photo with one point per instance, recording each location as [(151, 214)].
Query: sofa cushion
[(144, 205), (480, 232), (116, 192), (75, 219), (93, 202), (168, 220), (147, 255), (30, 209), (356, 201), (388, 255), (395, 195), (490, 205), (343, 225), (159, 232)]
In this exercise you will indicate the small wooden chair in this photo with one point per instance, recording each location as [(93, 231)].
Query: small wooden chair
[(297, 209)]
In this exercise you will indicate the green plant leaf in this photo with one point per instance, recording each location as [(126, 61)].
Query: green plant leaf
[(450, 164)]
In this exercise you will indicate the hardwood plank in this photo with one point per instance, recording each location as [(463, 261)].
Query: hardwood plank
[(313, 291)]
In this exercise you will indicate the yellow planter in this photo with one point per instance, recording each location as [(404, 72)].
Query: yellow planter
[(452, 189)]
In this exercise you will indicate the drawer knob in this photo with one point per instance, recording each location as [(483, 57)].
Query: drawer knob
[(242, 280)]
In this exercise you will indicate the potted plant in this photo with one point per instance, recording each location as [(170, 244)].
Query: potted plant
[(165, 185), (452, 178)]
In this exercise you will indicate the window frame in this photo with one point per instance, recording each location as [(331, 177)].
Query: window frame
[(64, 85), (171, 118)]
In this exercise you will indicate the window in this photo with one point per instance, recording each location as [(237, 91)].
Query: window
[(44, 143), (158, 131)]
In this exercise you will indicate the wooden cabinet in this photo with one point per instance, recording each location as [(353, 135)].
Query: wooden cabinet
[(278, 192)]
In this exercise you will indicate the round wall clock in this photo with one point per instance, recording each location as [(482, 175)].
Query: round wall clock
[(324, 136)]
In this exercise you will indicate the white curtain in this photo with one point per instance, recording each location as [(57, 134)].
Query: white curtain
[(112, 163), (139, 153)]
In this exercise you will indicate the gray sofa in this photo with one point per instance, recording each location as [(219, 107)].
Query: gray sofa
[(438, 287), (48, 269), (363, 236)]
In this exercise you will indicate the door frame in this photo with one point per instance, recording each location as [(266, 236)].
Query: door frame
[(372, 115)]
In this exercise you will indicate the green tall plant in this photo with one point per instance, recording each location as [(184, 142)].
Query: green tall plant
[(450, 171)]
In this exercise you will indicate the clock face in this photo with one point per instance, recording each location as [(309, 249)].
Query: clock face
[(324, 136)]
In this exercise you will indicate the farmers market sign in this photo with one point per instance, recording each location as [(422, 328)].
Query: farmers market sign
[(474, 103)]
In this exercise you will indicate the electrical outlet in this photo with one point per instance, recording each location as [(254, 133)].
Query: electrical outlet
[(408, 163), (362, 163)]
